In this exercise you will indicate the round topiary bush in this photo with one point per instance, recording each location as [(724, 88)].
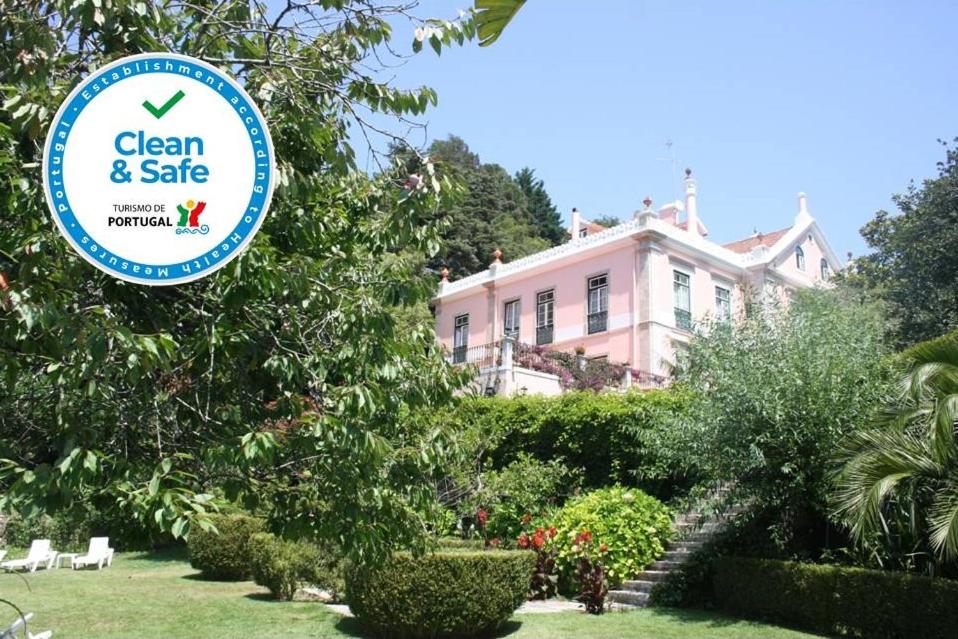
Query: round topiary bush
[(627, 528), (224, 554), (446, 594)]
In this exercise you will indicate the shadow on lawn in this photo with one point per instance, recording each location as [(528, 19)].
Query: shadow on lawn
[(161, 555), (710, 619), (351, 627)]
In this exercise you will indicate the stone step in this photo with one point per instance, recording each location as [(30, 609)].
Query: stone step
[(652, 575), (629, 598), (664, 564), (677, 556), (638, 585), (684, 546)]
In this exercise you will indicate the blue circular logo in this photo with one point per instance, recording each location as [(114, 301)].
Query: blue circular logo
[(158, 169)]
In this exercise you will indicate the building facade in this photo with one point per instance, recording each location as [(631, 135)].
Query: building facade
[(631, 293)]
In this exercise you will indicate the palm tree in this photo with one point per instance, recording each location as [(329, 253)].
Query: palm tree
[(899, 480)]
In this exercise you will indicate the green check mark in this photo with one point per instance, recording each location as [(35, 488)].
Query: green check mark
[(169, 104)]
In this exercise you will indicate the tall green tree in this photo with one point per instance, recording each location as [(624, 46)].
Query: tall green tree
[(777, 392), (492, 213), (283, 382), (543, 212), (914, 265)]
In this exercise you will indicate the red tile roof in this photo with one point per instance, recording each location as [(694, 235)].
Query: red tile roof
[(760, 239)]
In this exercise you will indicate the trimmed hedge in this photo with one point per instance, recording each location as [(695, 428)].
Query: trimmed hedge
[(838, 600), (613, 437), (224, 554), (284, 566), (446, 594)]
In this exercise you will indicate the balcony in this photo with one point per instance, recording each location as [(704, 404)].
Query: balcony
[(598, 322), (459, 354), (683, 319), (544, 334)]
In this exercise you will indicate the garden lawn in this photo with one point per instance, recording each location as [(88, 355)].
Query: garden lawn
[(159, 595)]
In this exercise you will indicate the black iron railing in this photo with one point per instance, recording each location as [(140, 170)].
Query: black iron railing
[(683, 319), (544, 334), (598, 322)]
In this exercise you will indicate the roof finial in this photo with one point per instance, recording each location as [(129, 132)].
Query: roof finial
[(496, 255), (647, 202), (688, 172), (445, 274)]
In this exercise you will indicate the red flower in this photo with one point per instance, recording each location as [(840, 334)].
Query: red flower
[(482, 516), (603, 548), (540, 530), (553, 532), (538, 541), (523, 540)]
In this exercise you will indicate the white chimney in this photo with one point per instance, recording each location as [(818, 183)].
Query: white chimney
[(802, 208), (691, 208), (576, 223)]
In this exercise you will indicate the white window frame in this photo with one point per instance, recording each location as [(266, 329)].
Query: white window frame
[(460, 328), (545, 313), (513, 330), (723, 305), (687, 285)]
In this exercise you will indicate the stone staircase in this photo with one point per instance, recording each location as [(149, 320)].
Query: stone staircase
[(693, 530)]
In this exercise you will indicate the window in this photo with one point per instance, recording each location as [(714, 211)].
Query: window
[(545, 316), (682, 296), (460, 339), (583, 232), (511, 319), (598, 312), (723, 304), (799, 258), (825, 270)]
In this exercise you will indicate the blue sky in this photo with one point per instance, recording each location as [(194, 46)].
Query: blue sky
[(842, 100)]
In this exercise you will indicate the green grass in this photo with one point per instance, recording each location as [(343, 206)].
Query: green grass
[(159, 595)]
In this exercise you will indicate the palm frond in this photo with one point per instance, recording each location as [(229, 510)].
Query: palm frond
[(492, 17), (943, 519)]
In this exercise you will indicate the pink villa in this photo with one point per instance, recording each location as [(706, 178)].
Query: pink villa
[(628, 294)]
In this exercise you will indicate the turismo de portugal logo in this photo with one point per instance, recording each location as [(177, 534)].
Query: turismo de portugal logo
[(158, 169)]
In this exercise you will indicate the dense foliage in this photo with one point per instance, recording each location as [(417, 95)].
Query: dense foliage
[(509, 497), (515, 216), (545, 216), (285, 381), (839, 601), (778, 392), (224, 552), (913, 265), (611, 437), (898, 488), (623, 528), (71, 530), (446, 594), (284, 566)]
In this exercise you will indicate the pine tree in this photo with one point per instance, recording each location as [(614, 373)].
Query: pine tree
[(543, 212)]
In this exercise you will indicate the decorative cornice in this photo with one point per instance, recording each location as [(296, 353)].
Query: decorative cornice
[(661, 232)]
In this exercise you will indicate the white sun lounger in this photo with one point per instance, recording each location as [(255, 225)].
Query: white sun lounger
[(11, 632), (40, 555), (98, 553)]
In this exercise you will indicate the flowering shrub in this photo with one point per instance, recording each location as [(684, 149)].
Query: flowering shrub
[(625, 528), (544, 582), (595, 375), (590, 574), (504, 501)]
